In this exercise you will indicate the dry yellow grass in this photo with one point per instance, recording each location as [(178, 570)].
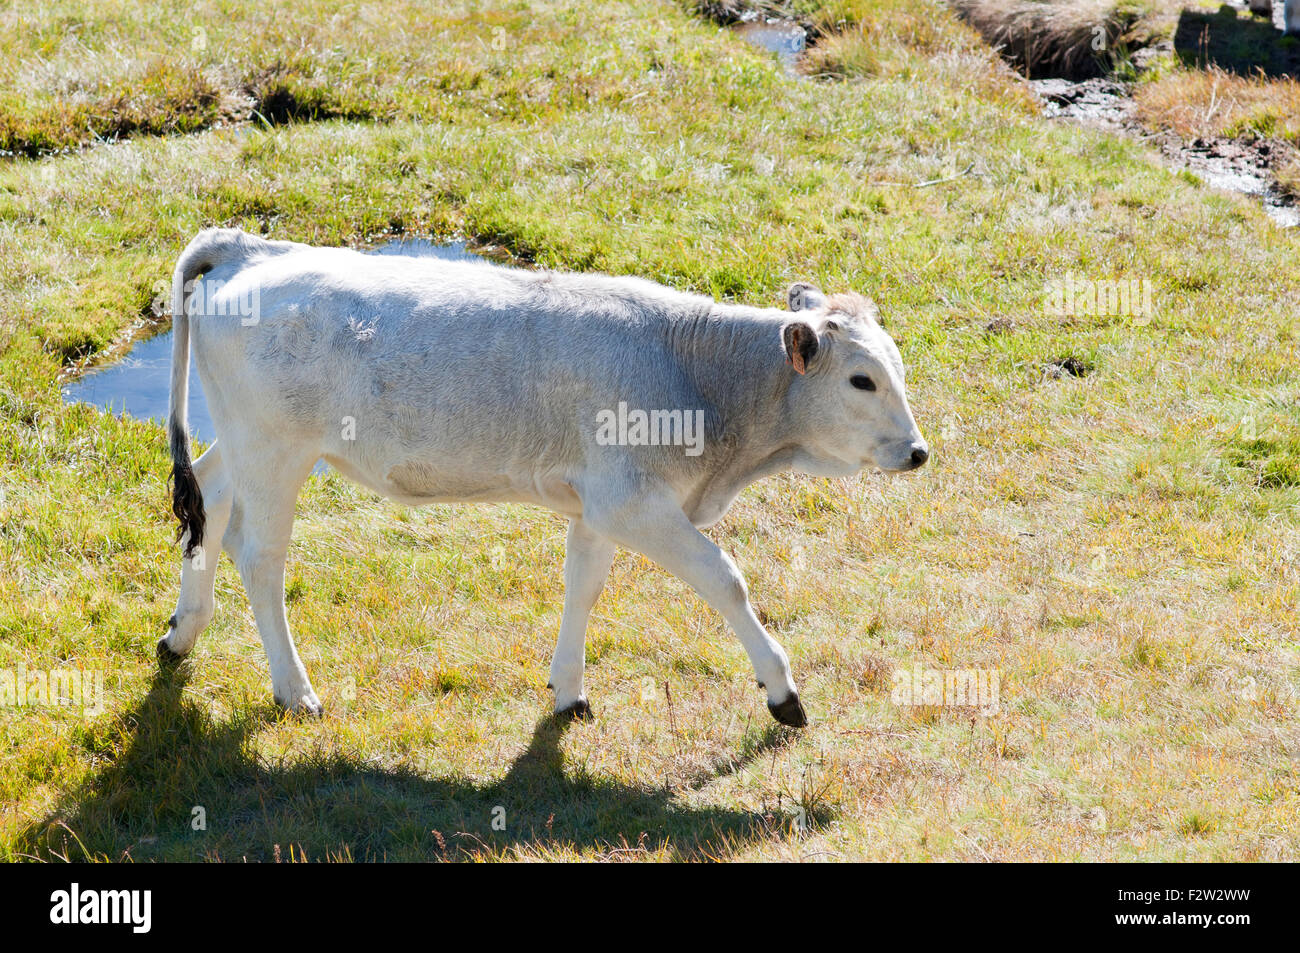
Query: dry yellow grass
[(1049, 37), (1213, 103)]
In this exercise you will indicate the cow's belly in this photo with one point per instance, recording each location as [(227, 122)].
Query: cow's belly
[(417, 482)]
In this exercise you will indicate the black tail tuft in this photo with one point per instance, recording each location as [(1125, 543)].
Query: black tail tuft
[(187, 504)]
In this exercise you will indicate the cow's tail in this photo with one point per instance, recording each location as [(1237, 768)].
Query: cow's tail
[(208, 249)]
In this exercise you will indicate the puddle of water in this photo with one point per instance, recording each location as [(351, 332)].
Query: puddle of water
[(139, 383), (785, 38), (423, 247)]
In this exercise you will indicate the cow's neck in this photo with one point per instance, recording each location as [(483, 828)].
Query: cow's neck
[(732, 355)]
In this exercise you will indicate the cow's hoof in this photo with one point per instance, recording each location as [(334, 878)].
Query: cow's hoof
[(789, 712), (307, 706), (578, 711), (166, 656)]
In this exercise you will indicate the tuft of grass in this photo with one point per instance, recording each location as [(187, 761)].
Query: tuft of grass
[(1215, 103), (1273, 463), (1197, 824), (1287, 173), (1074, 39)]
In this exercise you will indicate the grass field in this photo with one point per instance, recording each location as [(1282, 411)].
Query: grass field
[(1118, 545)]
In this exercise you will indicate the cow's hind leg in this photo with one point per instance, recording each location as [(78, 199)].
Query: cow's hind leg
[(258, 540), (587, 558), (195, 605)]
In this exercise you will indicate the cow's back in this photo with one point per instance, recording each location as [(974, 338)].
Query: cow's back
[(432, 379)]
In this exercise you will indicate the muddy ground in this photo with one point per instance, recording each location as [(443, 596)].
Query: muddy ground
[(1235, 165)]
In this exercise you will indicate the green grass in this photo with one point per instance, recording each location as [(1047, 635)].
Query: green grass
[(1118, 546)]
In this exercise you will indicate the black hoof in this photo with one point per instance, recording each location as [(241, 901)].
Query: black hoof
[(789, 712), (165, 655), (578, 711)]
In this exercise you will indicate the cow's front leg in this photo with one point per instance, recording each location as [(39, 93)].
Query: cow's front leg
[(660, 531), (587, 558)]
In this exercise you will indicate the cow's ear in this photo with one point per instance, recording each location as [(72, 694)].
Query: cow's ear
[(800, 343), (802, 296)]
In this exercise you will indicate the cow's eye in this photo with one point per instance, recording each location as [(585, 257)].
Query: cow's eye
[(862, 382)]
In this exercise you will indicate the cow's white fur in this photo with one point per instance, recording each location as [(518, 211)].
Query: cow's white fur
[(1290, 13), (430, 380)]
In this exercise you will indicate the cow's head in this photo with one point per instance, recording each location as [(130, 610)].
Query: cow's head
[(848, 396)]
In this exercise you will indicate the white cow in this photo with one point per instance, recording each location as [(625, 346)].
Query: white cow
[(1290, 13), (429, 381)]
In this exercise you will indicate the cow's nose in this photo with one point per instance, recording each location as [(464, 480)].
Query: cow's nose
[(919, 455)]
